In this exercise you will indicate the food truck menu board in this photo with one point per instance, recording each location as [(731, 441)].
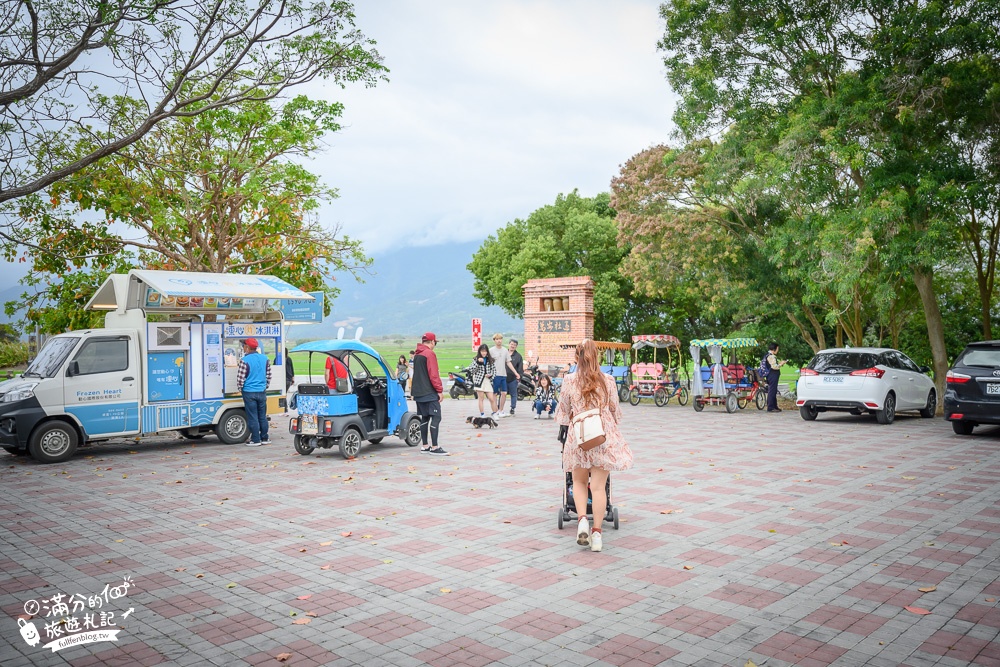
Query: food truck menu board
[(165, 376), (156, 301)]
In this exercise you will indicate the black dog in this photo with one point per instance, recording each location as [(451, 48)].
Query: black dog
[(480, 422)]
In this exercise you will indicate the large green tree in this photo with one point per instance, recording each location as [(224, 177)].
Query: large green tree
[(574, 236), (113, 70), (223, 191), (867, 115)]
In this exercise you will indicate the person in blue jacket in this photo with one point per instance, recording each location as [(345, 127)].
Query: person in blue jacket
[(252, 380)]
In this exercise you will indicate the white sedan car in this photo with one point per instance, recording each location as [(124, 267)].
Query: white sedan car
[(878, 380)]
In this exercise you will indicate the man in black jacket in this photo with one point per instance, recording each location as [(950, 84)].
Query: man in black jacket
[(514, 374), (427, 392)]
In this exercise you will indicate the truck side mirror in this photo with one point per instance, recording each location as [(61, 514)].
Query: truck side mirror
[(74, 368)]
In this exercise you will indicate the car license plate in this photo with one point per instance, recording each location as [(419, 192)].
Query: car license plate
[(833, 378), (993, 388), (307, 424)]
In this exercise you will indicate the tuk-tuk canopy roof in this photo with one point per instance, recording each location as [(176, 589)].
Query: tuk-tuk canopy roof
[(336, 345), (725, 343), (655, 340)]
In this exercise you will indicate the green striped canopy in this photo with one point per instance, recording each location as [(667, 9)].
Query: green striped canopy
[(726, 343)]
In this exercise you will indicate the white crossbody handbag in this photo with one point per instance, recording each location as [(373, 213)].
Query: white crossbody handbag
[(589, 429)]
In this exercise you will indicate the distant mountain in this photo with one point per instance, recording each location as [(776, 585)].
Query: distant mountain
[(412, 290)]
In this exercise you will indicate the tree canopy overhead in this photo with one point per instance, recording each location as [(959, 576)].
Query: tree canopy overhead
[(109, 72), (867, 129), (220, 192)]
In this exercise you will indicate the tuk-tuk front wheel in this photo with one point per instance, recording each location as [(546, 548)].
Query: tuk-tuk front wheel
[(413, 432), (53, 442), (699, 404), (732, 403), (302, 445), (350, 442), (633, 397)]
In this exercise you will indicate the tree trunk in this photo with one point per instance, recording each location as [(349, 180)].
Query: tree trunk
[(817, 327), (803, 332), (924, 281), (839, 335)]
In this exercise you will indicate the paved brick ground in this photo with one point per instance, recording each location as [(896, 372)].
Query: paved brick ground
[(743, 537)]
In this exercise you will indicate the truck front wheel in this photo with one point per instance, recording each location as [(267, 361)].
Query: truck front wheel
[(233, 429), (53, 442)]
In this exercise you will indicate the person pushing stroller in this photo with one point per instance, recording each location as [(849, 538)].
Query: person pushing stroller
[(587, 389)]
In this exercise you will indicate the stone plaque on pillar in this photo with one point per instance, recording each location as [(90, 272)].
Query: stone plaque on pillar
[(546, 326)]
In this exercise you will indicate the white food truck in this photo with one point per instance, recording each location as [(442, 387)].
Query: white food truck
[(166, 361)]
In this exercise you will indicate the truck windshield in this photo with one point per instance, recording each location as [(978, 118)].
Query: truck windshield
[(51, 357)]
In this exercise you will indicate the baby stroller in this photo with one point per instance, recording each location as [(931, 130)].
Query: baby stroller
[(568, 510)]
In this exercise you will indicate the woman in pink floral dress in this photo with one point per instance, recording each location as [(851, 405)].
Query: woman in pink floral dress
[(585, 389)]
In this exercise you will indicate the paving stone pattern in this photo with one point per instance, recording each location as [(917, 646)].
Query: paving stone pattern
[(746, 537)]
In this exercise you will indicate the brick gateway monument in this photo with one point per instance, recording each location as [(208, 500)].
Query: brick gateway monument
[(557, 311)]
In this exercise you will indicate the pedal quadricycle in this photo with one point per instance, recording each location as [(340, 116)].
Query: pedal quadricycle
[(731, 384), (654, 380)]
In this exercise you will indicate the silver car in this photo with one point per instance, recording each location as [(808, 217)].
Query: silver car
[(878, 380)]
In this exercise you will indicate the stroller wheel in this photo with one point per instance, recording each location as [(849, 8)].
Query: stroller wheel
[(615, 517), (560, 520)]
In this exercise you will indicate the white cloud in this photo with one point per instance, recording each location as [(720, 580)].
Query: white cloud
[(492, 109)]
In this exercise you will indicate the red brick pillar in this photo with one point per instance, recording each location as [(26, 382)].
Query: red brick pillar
[(546, 330)]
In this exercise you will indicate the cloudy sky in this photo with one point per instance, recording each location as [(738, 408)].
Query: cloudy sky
[(490, 111)]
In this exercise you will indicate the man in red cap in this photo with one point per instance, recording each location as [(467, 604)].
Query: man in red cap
[(427, 392), (253, 377)]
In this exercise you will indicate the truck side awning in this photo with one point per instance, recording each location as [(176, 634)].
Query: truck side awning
[(140, 285), (231, 285)]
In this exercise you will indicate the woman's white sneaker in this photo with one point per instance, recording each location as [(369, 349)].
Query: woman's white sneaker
[(595, 542), (583, 532)]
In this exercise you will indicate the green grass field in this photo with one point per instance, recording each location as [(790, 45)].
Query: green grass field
[(450, 353)]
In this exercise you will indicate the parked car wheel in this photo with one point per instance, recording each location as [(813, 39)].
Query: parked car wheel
[(302, 445), (413, 432), (888, 412), (350, 442), (808, 412), (633, 397), (233, 429), (53, 442), (962, 427), (928, 412)]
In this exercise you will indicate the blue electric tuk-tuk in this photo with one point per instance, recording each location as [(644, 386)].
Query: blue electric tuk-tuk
[(368, 405)]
